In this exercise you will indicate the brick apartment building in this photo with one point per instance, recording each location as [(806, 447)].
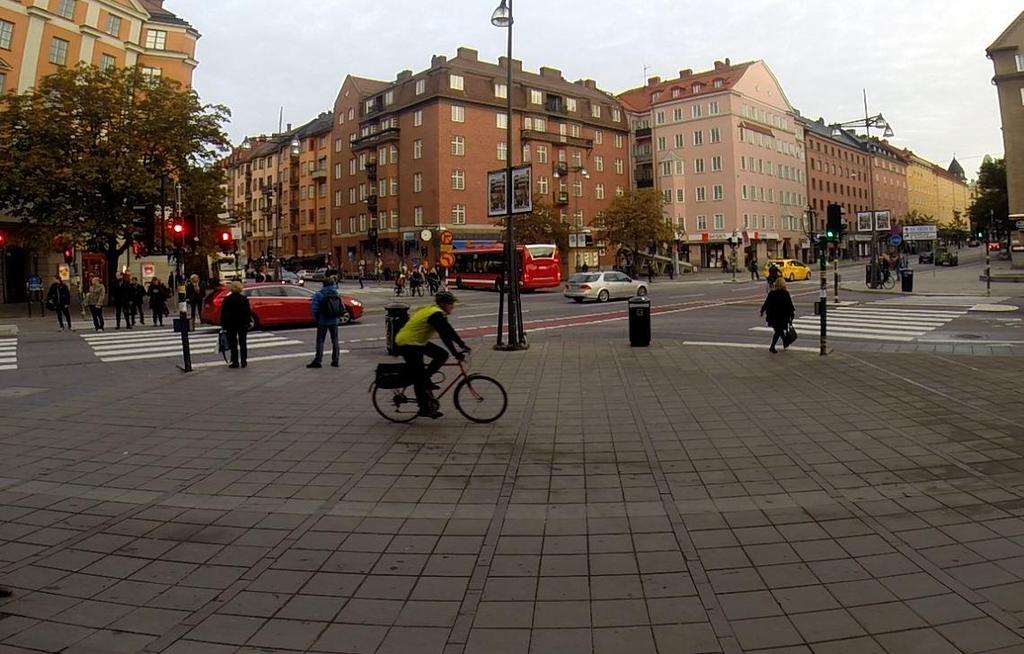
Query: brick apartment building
[(724, 148), (413, 154), (1007, 55)]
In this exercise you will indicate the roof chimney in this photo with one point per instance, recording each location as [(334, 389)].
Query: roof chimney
[(469, 54), (550, 73), (719, 65), (586, 83), (517, 65), (403, 75), (288, 127), (686, 72), (653, 81), (437, 60)]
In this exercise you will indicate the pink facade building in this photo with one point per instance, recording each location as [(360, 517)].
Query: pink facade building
[(725, 150)]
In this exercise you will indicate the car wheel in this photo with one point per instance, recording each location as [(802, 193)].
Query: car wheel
[(603, 296), (790, 277), (254, 322), (345, 318), (577, 300), (458, 283), (641, 291)]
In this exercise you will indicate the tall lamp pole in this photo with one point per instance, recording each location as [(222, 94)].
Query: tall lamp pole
[(867, 123), (502, 17)]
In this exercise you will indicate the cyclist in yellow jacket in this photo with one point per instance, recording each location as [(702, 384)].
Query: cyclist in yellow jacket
[(413, 342)]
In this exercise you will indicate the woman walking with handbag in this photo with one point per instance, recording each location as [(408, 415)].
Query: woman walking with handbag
[(778, 311)]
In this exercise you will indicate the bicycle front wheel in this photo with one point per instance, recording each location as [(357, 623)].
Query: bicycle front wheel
[(890, 282), (395, 404), (480, 398)]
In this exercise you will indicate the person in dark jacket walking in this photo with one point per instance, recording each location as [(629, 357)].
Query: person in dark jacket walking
[(119, 293), (158, 295), (328, 309), (95, 299), (194, 296), (778, 312), (773, 274), (58, 298), (235, 315), (752, 266), (137, 299)]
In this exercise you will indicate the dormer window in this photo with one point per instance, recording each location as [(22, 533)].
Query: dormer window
[(719, 83), (697, 87)]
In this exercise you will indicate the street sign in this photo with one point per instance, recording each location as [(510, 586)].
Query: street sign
[(895, 240), (148, 271), (447, 260), (35, 283), (920, 232), (447, 238), (425, 235)]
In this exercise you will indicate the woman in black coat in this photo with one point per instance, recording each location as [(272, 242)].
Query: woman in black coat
[(158, 295), (235, 315), (778, 311)]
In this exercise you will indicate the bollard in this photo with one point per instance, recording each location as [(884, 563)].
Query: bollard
[(639, 321), (395, 317)]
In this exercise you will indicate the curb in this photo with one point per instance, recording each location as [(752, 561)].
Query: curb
[(979, 293), (8, 330)]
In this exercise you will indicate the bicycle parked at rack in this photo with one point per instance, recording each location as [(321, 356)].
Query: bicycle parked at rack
[(479, 398)]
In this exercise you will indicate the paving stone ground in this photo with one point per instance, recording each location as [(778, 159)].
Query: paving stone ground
[(670, 499)]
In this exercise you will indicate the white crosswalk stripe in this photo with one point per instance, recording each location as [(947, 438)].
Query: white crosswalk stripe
[(873, 322), (937, 301), (9, 353), (111, 347)]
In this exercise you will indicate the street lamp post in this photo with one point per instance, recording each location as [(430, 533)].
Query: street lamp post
[(867, 123), (502, 17), (582, 172)]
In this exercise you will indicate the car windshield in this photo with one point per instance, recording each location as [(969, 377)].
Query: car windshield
[(584, 278)]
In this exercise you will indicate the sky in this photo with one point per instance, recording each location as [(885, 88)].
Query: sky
[(922, 62)]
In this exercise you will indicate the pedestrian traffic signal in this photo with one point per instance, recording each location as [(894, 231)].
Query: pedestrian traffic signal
[(835, 222), (225, 240), (981, 234), (69, 255), (1, 238), (178, 228)]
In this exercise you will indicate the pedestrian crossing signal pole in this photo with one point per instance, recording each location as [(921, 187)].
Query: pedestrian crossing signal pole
[(823, 296), (182, 323)]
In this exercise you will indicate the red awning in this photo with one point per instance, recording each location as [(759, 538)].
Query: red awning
[(754, 127)]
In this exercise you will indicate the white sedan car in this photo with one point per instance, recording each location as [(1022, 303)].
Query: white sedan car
[(603, 286)]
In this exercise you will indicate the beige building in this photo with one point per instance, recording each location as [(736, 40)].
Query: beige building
[(936, 191), (1007, 55)]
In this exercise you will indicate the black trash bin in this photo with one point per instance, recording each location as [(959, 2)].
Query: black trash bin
[(639, 321), (907, 280), (395, 317)]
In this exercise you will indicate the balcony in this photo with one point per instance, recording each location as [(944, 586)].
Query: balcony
[(562, 198), (533, 135), (319, 173), (645, 183), (371, 171), (642, 156), (373, 140), (642, 132), (371, 203)]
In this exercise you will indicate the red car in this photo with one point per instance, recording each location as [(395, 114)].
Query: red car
[(277, 305), (995, 247)]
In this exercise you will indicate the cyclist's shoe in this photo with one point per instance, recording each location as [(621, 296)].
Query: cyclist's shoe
[(431, 411), (434, 387)]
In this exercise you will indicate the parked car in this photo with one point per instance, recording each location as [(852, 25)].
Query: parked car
[(973, 243), (277, 305), (288, 277), (303, 274), (319, 275), (603, 286), (945, 257), (928, 256), (790, 269)]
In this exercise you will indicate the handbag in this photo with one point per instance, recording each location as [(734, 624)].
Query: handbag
[(392, 375), (790, 336), (223, 346)]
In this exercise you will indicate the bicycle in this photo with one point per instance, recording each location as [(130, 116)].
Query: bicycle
[(886, 279), (479, 398)]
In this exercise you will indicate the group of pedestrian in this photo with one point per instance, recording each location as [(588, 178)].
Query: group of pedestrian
[(128, 295)]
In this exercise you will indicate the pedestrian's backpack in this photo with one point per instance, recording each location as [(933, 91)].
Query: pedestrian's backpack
[(331, 307)]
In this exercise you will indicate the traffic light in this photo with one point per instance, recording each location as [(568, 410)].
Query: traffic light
[(225, 240), (1, 239), (834, 226), (981, 234), (69, 255)]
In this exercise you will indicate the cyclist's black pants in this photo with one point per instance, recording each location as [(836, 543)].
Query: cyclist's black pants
[(413, 355)]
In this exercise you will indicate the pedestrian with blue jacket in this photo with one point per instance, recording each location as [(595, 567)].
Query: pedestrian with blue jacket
[(328, 309)]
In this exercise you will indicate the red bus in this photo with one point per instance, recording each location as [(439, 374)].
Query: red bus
[(540, 266)]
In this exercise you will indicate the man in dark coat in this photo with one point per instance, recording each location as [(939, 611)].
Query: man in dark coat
[(120, 293), (58, 298), (235, 315), (778, 312), (194, 291)]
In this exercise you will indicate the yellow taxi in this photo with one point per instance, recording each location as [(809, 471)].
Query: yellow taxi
[(790, 269)]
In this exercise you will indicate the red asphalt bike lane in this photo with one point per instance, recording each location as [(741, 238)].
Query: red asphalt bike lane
[(546, 324)]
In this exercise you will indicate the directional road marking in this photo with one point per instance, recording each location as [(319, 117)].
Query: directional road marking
[(9, 353), (873, 322), (133, 345)]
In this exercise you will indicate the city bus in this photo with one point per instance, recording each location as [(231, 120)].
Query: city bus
[(540, 266)]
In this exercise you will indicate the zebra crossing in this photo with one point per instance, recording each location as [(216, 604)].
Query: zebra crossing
[(877, 321), (140, 344), (9, 353)]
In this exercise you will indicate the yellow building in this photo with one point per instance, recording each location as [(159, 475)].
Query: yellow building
[(935, 191), (39, 37)]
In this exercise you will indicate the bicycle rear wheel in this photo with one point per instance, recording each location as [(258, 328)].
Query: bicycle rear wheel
[(395, 404), (480, 398), (889, 282)]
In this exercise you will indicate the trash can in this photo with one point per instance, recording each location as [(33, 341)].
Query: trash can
[(639, 321), (395, 317), (907, 280)]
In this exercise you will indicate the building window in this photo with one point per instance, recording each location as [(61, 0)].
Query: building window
[(702, 223), (458, 146), (659, 118), (526, 153), (716, 163), (337, 198), (6, 34), (700, 194), (500, 90), (698, 165), (383, 187), (595, 110), (352, 195), (458, 214), (680, 195), (718, 192), (394, 154), (394, 186), (3, 83), (502, 151), (542, 185), (421, 86), (536, 97), (156, 40), (679, 140), (598, 137), (456, 82), (619, 191), (58, 52), (542, 154), (417, 182), (679, 167), (337, 171), (352, 225), (618, 140), (716, 135), (459, 180), (695, 111), (619, 167), (66, 9), (666, 196), (417, 216), (458, 114), (698, 137), (599, 163), (599, 191), (616, 115), (394, 219), (107, 62), (666, 168), (501, 120), (713, 108), (719, 221), (570, 104), (417, 118), (661, 143)]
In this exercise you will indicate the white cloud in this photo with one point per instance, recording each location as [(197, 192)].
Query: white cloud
[(923, 64)]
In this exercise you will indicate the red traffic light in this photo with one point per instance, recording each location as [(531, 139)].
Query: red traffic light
[(225, 237), (178, 228)]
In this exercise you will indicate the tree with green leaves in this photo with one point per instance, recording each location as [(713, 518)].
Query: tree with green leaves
[(634, 220), (84, 152), (991, 198)]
